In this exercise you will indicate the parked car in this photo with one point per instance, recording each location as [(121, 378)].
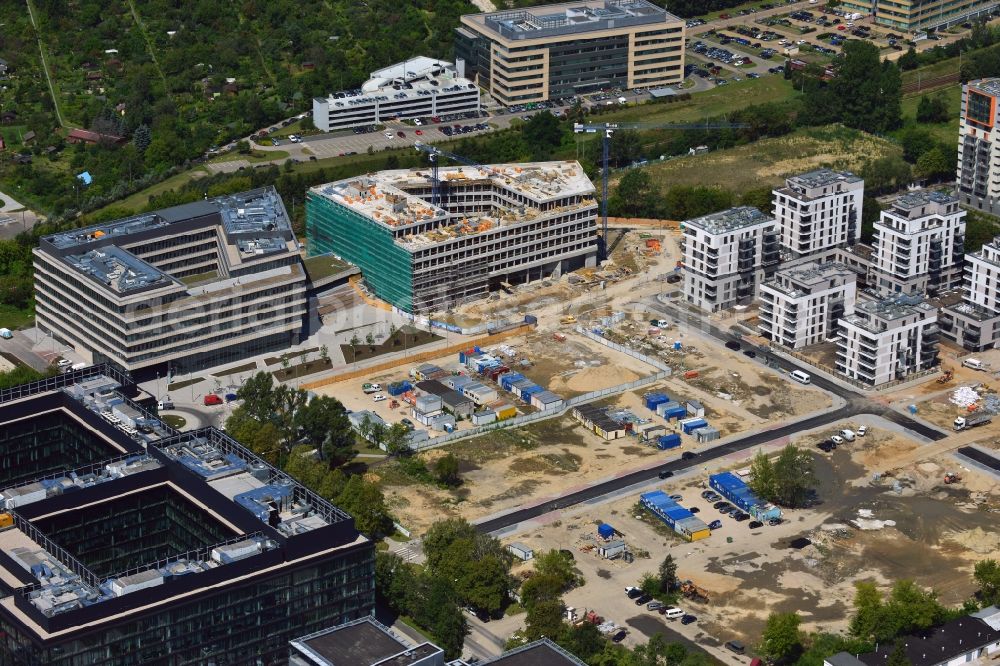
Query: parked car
[(64, 362), (722, 504), (687, 455), (862, 431), (633, 592), (408, 423), (620, 636), (707, 494), (837, 439), (230, 397), (654, 605), (688, 619), (715, 524), (644, 599), (378, 397), (212, 399), (665, 474), (736, 647), (694, 509), (732, 344), (741, 517), (774, 521), (676, 498), (755, 524)]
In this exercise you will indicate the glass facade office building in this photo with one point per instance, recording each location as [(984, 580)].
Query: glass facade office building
[(169, 549)]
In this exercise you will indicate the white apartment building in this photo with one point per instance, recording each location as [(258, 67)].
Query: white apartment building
[(975, 322), (919, 244), (802, 304), (186, 287), (417, 88), (978, 176), (726, 255), (819, 210), (887, 340)]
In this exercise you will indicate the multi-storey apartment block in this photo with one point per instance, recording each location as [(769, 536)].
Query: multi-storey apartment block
[(919, 244), (553, 51), (975, 322), (916, 15), (416, 88), (819, 210), (978, 176), (726, 255), (802, 304), (887, 340), (190, 286), (493, 225)]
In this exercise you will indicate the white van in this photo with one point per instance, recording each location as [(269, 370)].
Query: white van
[(673, 613), (973, 363), (800, 376)]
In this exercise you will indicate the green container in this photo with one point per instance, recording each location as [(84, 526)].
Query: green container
[(729, 539)]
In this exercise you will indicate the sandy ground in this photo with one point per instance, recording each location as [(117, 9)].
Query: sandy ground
[(939, 533)]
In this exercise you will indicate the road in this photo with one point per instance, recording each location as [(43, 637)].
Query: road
[(854, 405)]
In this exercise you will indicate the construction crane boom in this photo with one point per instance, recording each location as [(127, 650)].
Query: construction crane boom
[(608, 129), (433, 154)]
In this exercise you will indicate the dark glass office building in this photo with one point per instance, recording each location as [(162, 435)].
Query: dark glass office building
[(158, 547)]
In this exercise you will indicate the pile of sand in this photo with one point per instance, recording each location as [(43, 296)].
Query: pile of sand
[(592, 379), (977, 540)]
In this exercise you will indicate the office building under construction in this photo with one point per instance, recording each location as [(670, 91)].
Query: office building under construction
[(492, 226)]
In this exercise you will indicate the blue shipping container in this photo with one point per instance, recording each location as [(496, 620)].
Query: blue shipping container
[(678, 412), (671, 441), (694, 425), (605, 530), (654, 399)]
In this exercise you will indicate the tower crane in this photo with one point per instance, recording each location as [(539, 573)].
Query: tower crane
[(608, 129), (433, 153)]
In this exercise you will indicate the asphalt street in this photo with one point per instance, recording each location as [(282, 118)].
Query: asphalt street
[(854, 405)]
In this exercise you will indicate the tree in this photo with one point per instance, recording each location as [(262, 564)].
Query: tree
[(544, 620), (933, 110), (543, 133), (668, 574), (370, 340), (898, 655), (909, 60), (324, 354), (243, 147), (355, 341), (634, 195), (446, 470), (393, 580), (762, 479), (396, 439), (866, 93), (933, 165), (478, 564), (794, 476), (868, 612), (142, 137), (257, 394), (324, 425), (781, 637), (540, 588), (557, 565), (365, 502), (987, 577), (441, 535), (624, 148)]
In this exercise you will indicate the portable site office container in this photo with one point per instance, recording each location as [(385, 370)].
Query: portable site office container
[(707, 434), (504, 410), (671, 410), (736, 491), (484, 417), (520, 551), (690, 425), (427, 371), (425, 418), (443, 422), (428, 403), (695, 408), (766, 512), (546, 400), (517, 386), (507, 379), (611, 549), (654, 399), (479, 393), (676, 517), (671, 441), (648, 431), (457, 382), (529, 391), (457, 404)]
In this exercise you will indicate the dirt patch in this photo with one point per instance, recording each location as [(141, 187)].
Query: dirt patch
[(405, 338)]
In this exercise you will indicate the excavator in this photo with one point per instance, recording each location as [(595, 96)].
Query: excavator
[(946, 376), (568, 319)]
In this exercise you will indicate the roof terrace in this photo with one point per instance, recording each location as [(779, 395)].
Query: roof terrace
[(733, 219)]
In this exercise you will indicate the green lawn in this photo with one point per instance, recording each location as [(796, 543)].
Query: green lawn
[(200, 277), (138, 201), (324, 266), (252, 157), (708, 104), (767, 162), (14, 318), (940, 68), (945, 132)]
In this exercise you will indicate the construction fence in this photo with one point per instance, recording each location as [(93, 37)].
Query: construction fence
[(663, 371)]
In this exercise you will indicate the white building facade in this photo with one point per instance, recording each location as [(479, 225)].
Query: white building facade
[(887, 340), (975, 322), (978, 150), (419, 87), (919, 244), (819, 210), (727, 255), (802, 304)]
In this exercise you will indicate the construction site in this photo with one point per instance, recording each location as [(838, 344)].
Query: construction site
[(888, 508), (428, 241)]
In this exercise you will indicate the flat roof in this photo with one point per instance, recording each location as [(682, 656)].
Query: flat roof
[(362, 642), (269, 518), (733, 219), (822, 178), (795, 279), (385, 198), (540, 653), (938, 644), (989, 86), (570, 18), (252, 224)]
